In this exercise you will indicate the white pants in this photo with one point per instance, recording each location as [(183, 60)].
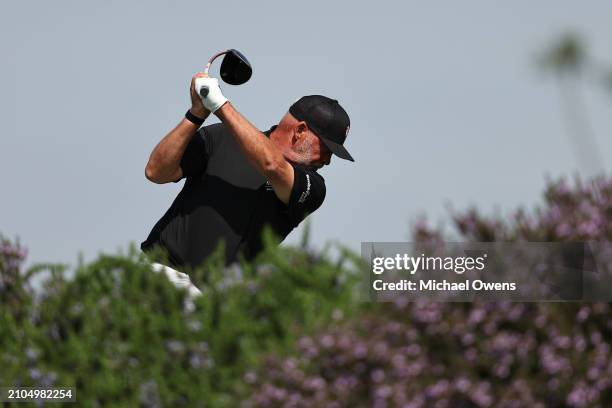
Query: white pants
[(180, 280)]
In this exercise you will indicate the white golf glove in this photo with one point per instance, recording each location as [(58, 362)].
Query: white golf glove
[(214, 99)]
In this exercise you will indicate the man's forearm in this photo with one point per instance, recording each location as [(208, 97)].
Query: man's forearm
[(259, 150), (166, 157)]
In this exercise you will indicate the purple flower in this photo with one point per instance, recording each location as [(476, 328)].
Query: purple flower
[(378, 376), (327, 341), (578, 397)]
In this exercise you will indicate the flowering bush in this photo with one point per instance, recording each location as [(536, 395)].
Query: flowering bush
[(497, 354), (120, 334), (449, 355), (12, 289), (582, 212)]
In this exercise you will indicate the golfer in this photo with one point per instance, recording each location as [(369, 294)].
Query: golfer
[(239, 179)]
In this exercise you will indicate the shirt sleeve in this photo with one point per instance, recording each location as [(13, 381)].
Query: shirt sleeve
[(307, 194), (198, 151)]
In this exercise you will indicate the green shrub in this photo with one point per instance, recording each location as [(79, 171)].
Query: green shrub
[(120, 334)]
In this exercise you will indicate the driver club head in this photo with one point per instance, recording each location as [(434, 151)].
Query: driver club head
[(235, 68)]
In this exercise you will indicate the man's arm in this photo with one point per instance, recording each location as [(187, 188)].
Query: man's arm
[(164, 162), (260, 151)]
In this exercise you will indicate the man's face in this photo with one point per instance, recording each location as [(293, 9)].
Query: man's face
[(321, 155), (309, 150), (299, 144)]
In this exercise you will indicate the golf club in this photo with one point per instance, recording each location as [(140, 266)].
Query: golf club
[(235, 68)]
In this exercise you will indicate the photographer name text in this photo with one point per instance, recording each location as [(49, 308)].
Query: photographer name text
[(413, 264), (443, 285)]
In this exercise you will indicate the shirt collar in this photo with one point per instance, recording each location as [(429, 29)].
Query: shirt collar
[(269, 131)]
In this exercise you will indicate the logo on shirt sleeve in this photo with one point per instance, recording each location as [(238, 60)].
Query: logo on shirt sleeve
[(306, 193)]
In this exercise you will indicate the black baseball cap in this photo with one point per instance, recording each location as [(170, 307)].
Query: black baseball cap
[(327, 119)]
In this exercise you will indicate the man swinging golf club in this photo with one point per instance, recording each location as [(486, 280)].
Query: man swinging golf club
[(239, 179)]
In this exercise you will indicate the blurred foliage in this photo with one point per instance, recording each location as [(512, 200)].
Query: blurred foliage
[(121, 335), (479, 354), (287, 330), (569, 60), (567, 53)]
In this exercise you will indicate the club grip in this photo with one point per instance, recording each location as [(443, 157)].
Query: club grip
[(204, 91)]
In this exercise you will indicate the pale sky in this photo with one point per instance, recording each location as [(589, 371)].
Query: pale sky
[(445, 100)]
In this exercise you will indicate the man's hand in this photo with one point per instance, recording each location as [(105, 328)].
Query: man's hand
[(197, 107), (214, 99)]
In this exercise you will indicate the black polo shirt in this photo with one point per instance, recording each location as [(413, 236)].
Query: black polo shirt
[(226, 198)]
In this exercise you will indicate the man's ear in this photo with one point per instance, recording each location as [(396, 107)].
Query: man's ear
[(300, 131)]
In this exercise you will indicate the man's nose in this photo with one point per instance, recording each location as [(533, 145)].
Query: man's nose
[(323, 161), (326, 158)]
